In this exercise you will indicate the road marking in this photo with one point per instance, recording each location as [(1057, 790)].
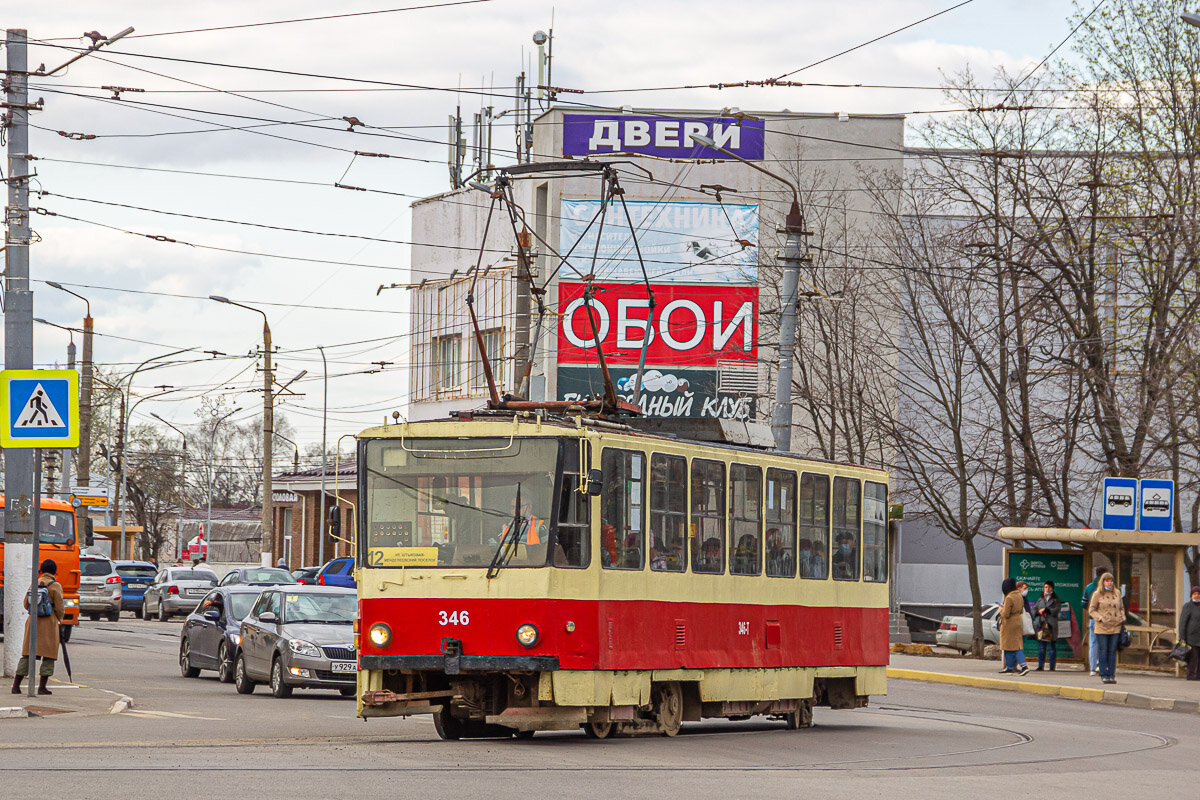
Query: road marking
[(169, 715)]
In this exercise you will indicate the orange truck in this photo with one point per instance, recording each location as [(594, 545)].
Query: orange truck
[(59, 539)]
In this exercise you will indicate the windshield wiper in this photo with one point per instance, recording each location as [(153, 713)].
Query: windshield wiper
[(506, 548)]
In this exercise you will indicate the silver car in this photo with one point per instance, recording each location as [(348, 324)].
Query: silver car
[(958, 632), (177, 590), (99, 588), (299, 637)]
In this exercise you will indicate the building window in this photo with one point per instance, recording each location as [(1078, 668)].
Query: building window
[(447, 363), (708, 516), (847, 521), (493, 343)]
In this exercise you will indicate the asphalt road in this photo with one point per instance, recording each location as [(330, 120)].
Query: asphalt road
[(198, 738)]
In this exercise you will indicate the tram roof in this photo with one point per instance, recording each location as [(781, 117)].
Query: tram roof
[(572, 424), (1100, 536)]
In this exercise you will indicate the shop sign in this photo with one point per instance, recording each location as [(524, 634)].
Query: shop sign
[(693, 326), (662, 136), (678, 242), (666, 392)]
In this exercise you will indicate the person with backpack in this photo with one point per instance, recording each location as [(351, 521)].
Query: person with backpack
[(50, 610)]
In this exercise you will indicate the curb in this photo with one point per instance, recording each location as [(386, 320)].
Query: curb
[(123, 703), (1106, 696), (13, 712)]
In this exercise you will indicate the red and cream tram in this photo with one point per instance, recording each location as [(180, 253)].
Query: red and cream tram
[(638, 582)]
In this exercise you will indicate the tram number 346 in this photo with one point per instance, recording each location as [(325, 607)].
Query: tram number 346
[(454, 618)]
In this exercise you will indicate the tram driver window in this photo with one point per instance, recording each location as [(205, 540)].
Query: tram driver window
[(812, 559), (668, 513), (781, 524), (622, 504), (875, 543), (847, 518), (745, 520), (708, 516)]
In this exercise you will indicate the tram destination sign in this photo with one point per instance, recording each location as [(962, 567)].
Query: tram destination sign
[(662, 136)]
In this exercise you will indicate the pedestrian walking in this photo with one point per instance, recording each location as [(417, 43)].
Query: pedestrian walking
[(1108, 612), (1012, 635), (1045, 625), (1093, 648), (47, 640), (281, 563), (1189, 633)]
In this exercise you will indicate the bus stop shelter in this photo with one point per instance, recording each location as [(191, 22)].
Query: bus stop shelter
[(1149, 569)]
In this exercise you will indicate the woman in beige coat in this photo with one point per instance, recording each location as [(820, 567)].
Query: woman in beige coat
[(47, 640), (1108, 613), (1012, 633)]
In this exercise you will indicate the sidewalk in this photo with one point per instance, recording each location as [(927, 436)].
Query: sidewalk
[(68, 698), (1133, 688)]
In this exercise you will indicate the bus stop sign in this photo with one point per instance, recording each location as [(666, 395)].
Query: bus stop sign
[(41, 408), (1120, 504)]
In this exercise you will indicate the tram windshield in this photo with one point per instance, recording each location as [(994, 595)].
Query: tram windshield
[(451, 502)]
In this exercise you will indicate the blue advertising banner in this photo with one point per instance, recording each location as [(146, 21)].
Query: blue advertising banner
[(1156, 505), (666, 137), (1120, 504), (679, 242)]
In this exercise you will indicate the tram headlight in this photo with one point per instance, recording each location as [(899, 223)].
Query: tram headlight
[(380, 634), (528, 635)]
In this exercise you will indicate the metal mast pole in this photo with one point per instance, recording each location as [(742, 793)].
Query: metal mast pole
[(18, 345), (268, 536), (781, 414), (324, 419), (66, 452)]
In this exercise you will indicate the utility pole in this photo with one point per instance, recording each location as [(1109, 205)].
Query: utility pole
[(85, 391), (66, 452), (324, 460), (19, 558)]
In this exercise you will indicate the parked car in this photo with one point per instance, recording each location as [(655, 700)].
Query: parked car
[(306, 575), (135, 577), (338, 572), (177, 590), (211, 634), (958, 632), (99, 588), (299, 637), (257, 576)]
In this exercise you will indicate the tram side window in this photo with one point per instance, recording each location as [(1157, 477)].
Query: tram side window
[(708, 516), (668, 513), (875, 543), (846, 528), (572, 534), (813, 557), (622, 504), (781, 524), (745, 519)]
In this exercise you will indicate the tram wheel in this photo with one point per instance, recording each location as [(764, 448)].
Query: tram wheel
[(448, 728), (803, 718), (668, 707), (598, 730), (523, 735)]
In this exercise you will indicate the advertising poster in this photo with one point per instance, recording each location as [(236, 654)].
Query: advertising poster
[(666, 392), (679, 242), (1065, 569)]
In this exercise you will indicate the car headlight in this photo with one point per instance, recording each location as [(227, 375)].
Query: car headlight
[(380, 634), (528, 635), (303, 648), (237, 639)]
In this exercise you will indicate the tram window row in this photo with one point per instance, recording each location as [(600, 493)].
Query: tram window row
[(738, 519)]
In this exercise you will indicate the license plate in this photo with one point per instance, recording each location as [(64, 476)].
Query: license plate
[(196, 591), (345, 666)]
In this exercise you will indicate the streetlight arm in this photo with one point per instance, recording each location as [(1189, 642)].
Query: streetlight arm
[(61, 288)]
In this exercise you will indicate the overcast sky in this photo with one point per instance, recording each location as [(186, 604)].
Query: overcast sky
[(153, 291)]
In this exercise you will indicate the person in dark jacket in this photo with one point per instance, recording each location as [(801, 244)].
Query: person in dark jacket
[(1189, 633), (47, 632), (1045, 625)]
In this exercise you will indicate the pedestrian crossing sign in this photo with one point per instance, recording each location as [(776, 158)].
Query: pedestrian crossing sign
[(41, 408)]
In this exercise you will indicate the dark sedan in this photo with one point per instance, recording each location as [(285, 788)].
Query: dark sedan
[(306, 575), (299, 637), (212, 633)]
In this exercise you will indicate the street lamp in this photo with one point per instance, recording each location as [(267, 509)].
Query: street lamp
[(125, 436), (1191, 18), (85, 389), (268, 429), (212, 456), (66, 453), (183, 482), (795, 250), (324, 468)]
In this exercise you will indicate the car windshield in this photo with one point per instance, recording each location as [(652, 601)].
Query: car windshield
[(93, 567), (267, 575), (314, 608), (450, 502), (192, 575), (240, 605), (134, 571)]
